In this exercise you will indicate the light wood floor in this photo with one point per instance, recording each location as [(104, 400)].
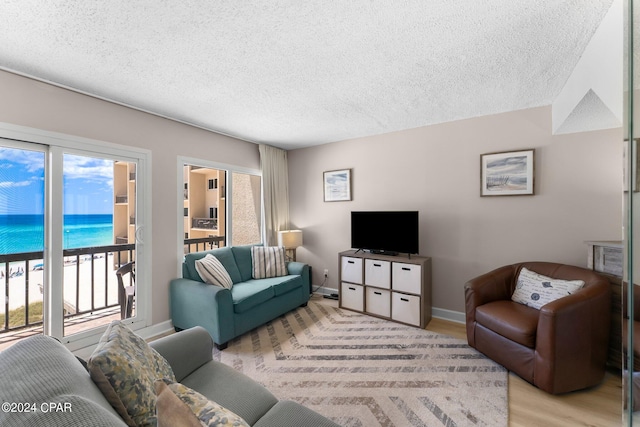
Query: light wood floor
[(600, 406)]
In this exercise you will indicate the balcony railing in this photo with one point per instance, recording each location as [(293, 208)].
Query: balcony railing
[(205, 223), (202, 243), (90, 283), (121, 199), (81, 293)]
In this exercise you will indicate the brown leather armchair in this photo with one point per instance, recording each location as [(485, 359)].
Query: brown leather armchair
[(560, 348)]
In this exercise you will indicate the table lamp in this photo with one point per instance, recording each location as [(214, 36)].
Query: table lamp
[(290, 240)]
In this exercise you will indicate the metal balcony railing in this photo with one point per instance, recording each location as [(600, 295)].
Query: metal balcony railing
[(205, 223), (202, 244), (89, 292), (20, 269)]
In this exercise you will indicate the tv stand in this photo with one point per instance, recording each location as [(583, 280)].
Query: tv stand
[(396, 288)]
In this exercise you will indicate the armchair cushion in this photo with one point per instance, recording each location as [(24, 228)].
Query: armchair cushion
[(535, 290), (514, 321)]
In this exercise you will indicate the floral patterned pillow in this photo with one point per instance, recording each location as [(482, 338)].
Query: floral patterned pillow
[(175, 398), (125, 368)]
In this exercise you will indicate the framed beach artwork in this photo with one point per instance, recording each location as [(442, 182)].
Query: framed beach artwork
[(337, 185), (509, 173)]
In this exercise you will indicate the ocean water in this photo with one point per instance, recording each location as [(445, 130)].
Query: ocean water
[(25, 233)]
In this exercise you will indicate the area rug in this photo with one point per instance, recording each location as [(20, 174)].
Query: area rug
[(360, 370)]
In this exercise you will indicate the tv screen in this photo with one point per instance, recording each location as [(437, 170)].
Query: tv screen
[(385, 231)]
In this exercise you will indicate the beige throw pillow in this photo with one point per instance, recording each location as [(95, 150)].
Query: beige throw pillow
[(268, 262), (213, 272), (535, 290)]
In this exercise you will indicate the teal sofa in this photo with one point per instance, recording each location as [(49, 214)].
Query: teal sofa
[(225, 313)]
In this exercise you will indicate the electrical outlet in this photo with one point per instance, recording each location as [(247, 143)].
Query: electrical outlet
[(326, 272)]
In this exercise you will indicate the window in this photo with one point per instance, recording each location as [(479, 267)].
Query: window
[(232, 214), (66, 252)]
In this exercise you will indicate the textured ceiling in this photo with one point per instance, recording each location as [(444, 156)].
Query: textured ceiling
[(299, 73)]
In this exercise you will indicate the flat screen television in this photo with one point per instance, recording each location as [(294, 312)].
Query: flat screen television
[(385, 232)]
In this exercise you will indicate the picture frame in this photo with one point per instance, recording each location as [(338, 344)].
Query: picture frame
[(337, 185), (507, 173)]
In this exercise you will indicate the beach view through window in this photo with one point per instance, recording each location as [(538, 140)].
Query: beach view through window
[(21, 232), (97, 201)]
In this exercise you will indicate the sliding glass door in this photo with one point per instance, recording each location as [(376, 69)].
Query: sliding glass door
[(69, 220), (22, 239)]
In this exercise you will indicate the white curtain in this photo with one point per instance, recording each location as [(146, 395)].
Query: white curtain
[(275, 182)]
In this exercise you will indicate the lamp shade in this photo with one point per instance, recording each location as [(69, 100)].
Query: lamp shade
[(290, 238)]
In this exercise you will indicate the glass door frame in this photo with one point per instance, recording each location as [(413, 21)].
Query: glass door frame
[(230, 169), (55, 146)]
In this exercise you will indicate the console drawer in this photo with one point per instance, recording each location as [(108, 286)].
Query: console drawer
[(405, 308), (352, 296), (377, 273), (378, 301), (351, 270), (406, 277)]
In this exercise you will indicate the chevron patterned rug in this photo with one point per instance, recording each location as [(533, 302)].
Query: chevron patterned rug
[(363, 371)]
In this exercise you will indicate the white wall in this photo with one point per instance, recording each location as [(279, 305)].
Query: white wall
[(436, 170), (38, 105)]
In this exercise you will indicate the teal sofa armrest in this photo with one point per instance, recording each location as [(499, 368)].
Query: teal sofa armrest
[(186, 351), (295, 267), (195, 303), (301, 269)]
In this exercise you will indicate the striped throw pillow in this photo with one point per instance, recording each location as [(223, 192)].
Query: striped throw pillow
[(268, 262), (213, 272)]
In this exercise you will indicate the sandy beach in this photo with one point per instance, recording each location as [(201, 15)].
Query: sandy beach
[(17, 289)]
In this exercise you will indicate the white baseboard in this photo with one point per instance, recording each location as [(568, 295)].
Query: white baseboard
[(450, 315)]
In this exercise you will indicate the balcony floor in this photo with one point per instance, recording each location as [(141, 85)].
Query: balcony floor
[(81, 322)]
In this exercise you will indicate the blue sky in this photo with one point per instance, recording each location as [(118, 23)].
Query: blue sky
[(88, 183)]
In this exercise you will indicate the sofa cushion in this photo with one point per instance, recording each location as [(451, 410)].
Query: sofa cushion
[(224, 255), (176, 397), (281, 285), (514, 321), (287, 413), (535, 290), (41, 370), (247, 295), (213, 272), (268, 262), (246, 397), (244, 261), (125, 368)]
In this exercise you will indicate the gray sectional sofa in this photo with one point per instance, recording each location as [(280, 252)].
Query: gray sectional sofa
[(228, 313), (44, 384)]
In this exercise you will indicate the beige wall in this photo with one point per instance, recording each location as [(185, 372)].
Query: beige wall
[(433, 169), (38, 105), (436, 170)]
